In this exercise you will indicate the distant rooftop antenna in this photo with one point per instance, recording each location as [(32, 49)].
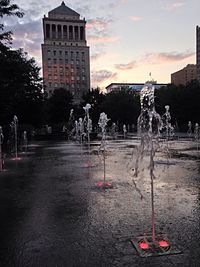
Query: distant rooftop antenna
[(63, 3), (151, 80)]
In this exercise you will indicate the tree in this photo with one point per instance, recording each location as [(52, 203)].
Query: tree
[(183, 102), (59, 106), (7, 9), (122, 107), (20, 87), (20, 84), (95, 98)]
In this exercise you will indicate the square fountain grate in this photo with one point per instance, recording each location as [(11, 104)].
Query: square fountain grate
[(145, 246)]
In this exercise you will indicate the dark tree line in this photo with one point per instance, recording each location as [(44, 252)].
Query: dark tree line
[(184, 102), (20, 84)]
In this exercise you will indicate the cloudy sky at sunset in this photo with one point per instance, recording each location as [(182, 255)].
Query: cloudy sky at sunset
[(128, 39)]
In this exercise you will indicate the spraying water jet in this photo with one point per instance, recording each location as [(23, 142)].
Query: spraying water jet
[(149, 125)]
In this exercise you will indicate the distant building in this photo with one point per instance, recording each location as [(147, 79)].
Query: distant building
[(131, 87), (185, 75), (198, 52), (65, 54)]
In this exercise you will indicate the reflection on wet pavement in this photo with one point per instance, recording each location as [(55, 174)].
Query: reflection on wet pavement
[(52, 214)]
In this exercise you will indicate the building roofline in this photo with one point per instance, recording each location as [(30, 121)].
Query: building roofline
[(64, 20), (133, 84)]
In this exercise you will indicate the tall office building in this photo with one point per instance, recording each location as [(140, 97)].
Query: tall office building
[(65, 54), (198, 52)]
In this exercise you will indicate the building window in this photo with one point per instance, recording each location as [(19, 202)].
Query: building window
[(65, 32), (70, 32), (54, 52), (47, 31), (53, 31), (60, 52), (76, 32), (59, 31), (82, 33)]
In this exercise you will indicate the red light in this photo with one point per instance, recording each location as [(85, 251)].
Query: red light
[(163, 243), (144, 245), (100, 184)]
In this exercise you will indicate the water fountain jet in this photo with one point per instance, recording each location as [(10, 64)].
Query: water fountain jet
[(149, 125), (14, 125), (103, 120), (1, 153)]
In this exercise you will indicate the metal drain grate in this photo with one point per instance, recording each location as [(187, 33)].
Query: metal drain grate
[(145, 246)]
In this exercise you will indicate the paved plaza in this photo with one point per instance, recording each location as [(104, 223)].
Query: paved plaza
[(53, 214)]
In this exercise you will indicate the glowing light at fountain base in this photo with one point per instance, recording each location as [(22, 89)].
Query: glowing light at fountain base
[(104, 185), (146, 247)]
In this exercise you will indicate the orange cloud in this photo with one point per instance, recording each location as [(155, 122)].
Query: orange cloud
[(129, 66), (164, 57), (174, 6), (98, 23), (136, 18), (102, 75), (155, 58), (92, 39), (97, 55)]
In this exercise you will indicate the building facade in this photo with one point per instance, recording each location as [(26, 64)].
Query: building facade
[(185, 75), (130, 87), (65, 54), (198, 52)]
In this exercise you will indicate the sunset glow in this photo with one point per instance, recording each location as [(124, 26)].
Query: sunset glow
[(127, 39)]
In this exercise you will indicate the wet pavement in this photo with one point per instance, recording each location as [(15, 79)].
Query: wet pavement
[(52, 214)]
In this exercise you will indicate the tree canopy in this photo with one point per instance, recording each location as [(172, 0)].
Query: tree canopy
[(59, 106), (95, 98), (20, 86), (7, 9), (183, 102), (122, 107), (20, 82)]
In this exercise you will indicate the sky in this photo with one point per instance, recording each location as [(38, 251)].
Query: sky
[(128, 39)]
